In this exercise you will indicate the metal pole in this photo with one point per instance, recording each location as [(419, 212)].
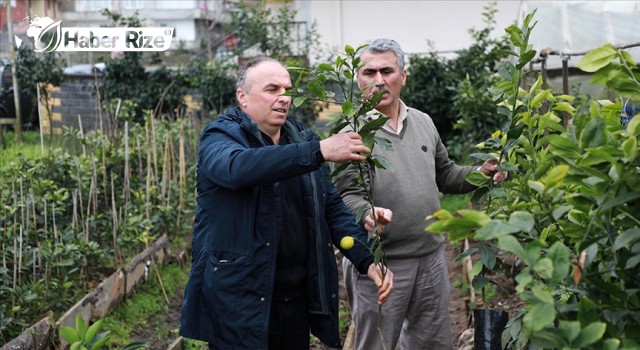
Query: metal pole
[(14, 73), (565, 86)]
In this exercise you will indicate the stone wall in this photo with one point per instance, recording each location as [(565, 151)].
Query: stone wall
[(76, 99)]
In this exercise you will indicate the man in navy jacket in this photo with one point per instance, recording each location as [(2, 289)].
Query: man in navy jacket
[(264, 272)]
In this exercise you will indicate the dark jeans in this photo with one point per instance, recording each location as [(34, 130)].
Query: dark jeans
[(288, 325)]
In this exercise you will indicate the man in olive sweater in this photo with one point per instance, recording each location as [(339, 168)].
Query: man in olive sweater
[(417, 314)]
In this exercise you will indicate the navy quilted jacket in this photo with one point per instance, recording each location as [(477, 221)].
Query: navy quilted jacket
[(237, 228)]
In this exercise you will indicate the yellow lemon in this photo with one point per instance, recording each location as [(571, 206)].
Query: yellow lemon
[(346, 242)]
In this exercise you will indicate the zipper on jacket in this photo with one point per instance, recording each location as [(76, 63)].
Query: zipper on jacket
[(319, 248)]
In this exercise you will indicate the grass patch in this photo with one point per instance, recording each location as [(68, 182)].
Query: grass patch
[(145, 308), (30, 148), (453, 202)]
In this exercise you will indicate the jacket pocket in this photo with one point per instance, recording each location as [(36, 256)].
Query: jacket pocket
[(223, 286)]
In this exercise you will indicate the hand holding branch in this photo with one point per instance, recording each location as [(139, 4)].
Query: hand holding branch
[(343, 147)]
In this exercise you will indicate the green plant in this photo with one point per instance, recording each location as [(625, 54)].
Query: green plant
[(570, 211), (70, 217), (84, 337)]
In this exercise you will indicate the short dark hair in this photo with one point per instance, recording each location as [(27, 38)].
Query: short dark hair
[(241, 80), (382, 45)]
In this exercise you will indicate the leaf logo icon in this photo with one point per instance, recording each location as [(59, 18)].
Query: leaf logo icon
[(49, 39)]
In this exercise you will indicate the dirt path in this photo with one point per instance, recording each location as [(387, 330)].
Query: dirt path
[(457, 301)]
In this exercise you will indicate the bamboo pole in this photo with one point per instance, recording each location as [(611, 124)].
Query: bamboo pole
[(20, 255), (183, 170), (114, 218), (53, 221), (74, 213), (149, 171), (127, 171), (46, 218), (84, 147), (166, 170), (39, 96), (139, 151)]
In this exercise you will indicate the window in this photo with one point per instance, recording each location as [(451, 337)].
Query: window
[(92, 5), (133, 4)]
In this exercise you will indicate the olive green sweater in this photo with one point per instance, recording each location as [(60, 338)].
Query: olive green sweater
[(421, 168)]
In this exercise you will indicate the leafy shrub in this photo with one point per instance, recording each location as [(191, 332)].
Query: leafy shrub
[(570, 213)]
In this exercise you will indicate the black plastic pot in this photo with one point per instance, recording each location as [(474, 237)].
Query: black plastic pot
[(489, 325)]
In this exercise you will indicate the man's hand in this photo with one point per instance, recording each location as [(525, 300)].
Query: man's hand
[(383, 217), (343, 147), (384, 286), (489, 167)]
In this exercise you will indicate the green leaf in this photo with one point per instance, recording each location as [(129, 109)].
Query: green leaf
[(135, 345), (623, 198), (477, 178), (544, 268), (597, 58), (69, 334), (622, 83), (92, 331), (555, 175), (488, 257), (594, 133), (347, 108), (299, 100), (477, 217), (515, 132), (632, 262), (382, 162), (377, 255), (81, 326), (522, 220), (325, 67), (475, 270), (494, 229), (571, 329), (483, 156), (508, 167), (511, 244), (559, 254), (560, 211), (611, 344), (348, 49), (563, 145), (633, 128), (564, 107), (465, 254), (590, 334), (587, 311), (316, 89), (373, 125), (479, 282), (630, 149), (526, 57), (539, 316), (625, 239)]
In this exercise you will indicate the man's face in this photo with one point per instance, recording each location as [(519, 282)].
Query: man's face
[(264, 101), (381, 72)]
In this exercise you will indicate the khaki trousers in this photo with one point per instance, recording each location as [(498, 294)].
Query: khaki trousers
[(416, 315)]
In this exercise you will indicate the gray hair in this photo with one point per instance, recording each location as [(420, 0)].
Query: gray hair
[(241, 80), (382, 45)]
